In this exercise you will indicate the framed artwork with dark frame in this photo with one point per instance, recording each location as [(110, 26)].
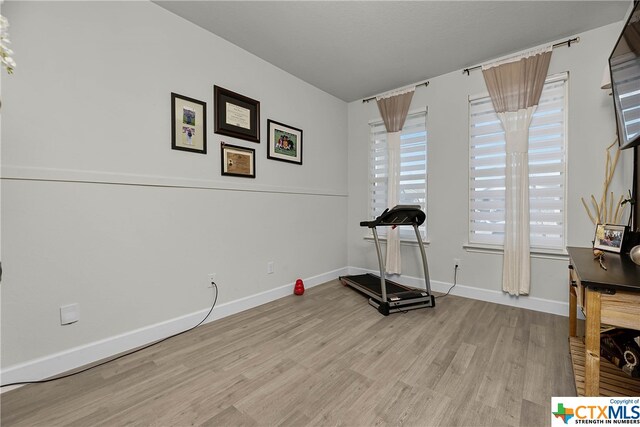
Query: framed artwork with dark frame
[(237, 161), (188, 124), (285, 142), (609, 237), (236, 115)]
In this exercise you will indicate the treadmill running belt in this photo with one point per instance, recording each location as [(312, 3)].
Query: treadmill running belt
[(372, 283)]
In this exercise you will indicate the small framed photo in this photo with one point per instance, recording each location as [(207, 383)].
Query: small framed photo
[(609, 237), (238, 161), (188, 124), (285, 142), (236, 115)]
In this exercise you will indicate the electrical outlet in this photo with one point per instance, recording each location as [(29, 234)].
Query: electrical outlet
[(270, 267), (212, 279), (457, 262)]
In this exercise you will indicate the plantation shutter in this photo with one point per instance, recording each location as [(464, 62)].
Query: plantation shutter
[(547, 164)]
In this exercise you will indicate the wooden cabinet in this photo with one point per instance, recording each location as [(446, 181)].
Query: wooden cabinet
[(610, 297)]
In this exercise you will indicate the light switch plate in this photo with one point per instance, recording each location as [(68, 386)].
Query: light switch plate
[(69, 314)]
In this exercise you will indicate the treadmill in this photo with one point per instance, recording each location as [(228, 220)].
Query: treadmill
[(385, 295)]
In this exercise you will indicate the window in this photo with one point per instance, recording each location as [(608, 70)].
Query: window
[(547, 170), (413, 169)]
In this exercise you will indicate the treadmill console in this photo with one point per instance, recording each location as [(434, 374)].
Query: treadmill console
[(398, 215)]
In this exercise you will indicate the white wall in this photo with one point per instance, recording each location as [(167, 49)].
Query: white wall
[(591, 129), (98, 210)]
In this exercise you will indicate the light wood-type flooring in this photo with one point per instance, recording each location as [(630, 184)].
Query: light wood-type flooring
[(325, 358)]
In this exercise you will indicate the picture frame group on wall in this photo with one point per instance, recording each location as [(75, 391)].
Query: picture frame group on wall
[(609, 237), (284, 142), (188, 124), (237, 161), (236, 115)]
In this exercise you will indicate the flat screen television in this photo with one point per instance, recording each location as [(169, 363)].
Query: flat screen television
[(624, 64)]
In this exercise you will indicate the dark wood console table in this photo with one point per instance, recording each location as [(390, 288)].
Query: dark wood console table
[(610, 297)]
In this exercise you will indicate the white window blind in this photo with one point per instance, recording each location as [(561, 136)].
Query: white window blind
[(547, 170), (413, 169)]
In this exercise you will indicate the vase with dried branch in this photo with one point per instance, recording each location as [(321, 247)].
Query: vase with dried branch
[(605, 212), (5, 52)]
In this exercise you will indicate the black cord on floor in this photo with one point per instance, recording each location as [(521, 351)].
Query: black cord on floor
[(455, 276), (125, 354)]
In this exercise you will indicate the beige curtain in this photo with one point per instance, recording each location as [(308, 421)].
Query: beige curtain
[(394, 107), (515, 86)]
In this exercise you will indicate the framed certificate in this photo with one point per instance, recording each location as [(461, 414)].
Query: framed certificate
[(236, 115), (237, 161)]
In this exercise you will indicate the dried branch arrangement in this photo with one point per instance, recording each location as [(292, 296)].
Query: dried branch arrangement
[(604, 212)]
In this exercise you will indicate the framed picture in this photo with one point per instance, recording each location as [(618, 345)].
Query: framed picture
[(188, 124), (236, 115), (285, 143), (238, 161), (609, 237)]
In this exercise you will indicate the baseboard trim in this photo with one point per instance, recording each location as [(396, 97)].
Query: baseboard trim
[(488, 295), (54, 364), (74, 358)]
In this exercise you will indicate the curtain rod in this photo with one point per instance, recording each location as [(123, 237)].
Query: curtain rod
[(416, 86), (566, 42)]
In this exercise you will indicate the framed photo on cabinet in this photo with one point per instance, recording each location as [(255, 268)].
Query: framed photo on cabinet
[(609, 237)]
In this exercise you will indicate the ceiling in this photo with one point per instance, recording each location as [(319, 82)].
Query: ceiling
[(356, 49)]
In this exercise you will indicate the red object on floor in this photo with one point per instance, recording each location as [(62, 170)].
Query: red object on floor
[(298, 289)]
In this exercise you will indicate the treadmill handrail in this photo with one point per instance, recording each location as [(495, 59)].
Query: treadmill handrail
[(396, 216)]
